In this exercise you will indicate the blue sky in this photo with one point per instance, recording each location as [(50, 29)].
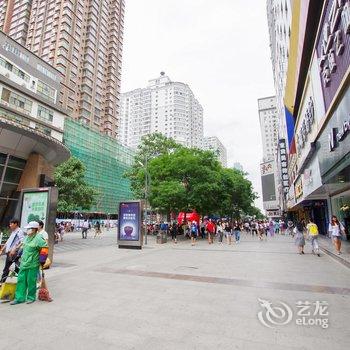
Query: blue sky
[(221, 50)]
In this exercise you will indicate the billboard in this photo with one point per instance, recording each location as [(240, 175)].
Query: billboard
[(129, 224), (34, 207)]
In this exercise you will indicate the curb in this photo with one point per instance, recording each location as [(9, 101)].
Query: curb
[(335, 257)]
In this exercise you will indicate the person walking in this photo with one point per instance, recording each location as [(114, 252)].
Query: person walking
[(299, 237), (210, 231), (290, 227), (254, 228), (228, 232), (194, 233), (202, 228), (97, 229), (312, 231), (84, 231), (220, 232), (173, 232), (336, 230), (29, 269), (11, 249), (237, 231)]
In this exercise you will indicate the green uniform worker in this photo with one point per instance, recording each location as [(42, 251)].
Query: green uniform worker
[(29, 269)]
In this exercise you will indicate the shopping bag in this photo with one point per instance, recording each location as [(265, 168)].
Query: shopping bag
[(8, 289)]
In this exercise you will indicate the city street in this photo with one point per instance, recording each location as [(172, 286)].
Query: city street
[(181, 297)]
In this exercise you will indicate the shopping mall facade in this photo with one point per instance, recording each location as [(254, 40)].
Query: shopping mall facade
[(31, 123), (318, 93)]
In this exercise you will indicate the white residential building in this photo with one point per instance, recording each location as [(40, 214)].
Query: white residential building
[(279, 17), (164, 106), (238, 166), (212, 143), (269, 126)]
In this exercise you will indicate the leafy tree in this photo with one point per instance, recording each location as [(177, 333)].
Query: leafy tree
[(151, 146), (73, 192), (254, 211)]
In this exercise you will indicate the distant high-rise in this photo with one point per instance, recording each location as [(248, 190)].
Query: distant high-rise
[(83, 39), (279, 17), (269, 126), (238, 166), (212, 143), (167, 107)]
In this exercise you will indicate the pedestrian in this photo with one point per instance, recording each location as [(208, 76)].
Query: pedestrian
[(43, 233), (277, 227), (312, 231), (220, 232), (210, 231), (290, 227), (11, 249), (97, 229), (299, 237), (260, 230), (173, 232), (271, 228), (228, 232), (194, 232), (237, 231), (336, 230), (254, 228), (202, 228), (29, 269), (246, 227), (85, 229)]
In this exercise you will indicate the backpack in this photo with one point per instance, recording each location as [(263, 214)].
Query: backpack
[(313, 230)]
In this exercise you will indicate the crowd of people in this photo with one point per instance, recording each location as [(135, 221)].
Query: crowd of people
[(230, 231)]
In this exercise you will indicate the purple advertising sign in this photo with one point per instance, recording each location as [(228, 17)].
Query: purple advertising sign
[(333, 47), (129, 221)]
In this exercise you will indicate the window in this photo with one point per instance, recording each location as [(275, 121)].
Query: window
[(45, 114), (46, 91), (10, 67), (16, 101)]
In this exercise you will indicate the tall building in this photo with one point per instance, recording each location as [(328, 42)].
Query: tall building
[(212, 143), (279, 17), (269, 126), (238, 166), (164, 106), (83, 39), (31, 124), (268, 117)]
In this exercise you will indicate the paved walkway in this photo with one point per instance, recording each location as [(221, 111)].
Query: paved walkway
[(181, 297)]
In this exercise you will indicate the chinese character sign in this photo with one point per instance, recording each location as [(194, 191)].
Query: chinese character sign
[(129, 221), (34, 207)]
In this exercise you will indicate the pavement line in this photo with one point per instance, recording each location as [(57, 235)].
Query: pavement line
[(191, 249), (230, 281)]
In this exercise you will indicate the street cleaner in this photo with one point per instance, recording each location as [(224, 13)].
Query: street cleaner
[(30, 263)]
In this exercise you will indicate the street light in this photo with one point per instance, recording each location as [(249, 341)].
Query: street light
[(146, 194)]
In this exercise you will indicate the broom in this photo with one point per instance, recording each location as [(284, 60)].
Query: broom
[(44, 294)]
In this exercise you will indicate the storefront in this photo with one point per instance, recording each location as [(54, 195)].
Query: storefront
[(334, 157)]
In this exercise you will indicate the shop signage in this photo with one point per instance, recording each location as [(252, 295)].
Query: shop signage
[(284, 165), (266, 168), (306, 125), (333, 46), (298, 188), (307, 177), (337, 135), (34, 207), (272, 213)]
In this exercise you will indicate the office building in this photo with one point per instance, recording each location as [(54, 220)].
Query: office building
[(212, 143)]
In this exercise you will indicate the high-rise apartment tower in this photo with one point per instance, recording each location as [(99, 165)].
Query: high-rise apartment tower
[(83, 39)]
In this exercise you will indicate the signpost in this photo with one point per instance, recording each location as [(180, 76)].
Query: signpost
[(130, 225)]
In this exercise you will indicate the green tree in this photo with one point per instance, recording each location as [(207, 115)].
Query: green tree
[(151, 146), (73, 192)]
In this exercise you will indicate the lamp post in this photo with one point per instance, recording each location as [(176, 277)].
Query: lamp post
[(146, 194)]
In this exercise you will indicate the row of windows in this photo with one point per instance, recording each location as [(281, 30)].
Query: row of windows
[(20, 102), (12, 68)]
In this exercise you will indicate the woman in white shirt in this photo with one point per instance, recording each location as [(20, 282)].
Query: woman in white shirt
[(336, 229)]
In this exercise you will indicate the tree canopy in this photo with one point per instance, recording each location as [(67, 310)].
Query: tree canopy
[(185, 179), (73, 192)]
